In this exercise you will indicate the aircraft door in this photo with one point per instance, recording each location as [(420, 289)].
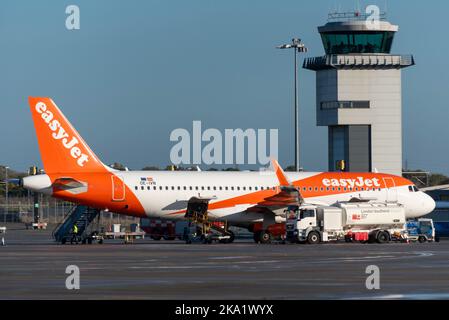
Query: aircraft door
[(118, 188), (392, 193)]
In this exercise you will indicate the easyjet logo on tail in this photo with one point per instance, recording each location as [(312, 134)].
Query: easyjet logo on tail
[(59, 133), (358, 182)]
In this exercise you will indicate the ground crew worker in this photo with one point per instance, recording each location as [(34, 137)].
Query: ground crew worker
[(74, 234)]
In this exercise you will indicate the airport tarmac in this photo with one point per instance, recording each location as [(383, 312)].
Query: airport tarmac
[(32, 266)]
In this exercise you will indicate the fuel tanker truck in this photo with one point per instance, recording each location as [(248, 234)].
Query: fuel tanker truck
[(349, 221)]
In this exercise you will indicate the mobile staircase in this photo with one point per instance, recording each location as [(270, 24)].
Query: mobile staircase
[(81, 216)]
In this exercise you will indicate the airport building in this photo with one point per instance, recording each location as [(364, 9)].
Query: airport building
[(358, 93)]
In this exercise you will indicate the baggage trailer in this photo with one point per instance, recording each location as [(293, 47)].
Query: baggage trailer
[(349, 221)]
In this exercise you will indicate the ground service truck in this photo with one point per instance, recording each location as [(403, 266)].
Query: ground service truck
[(350, 221)]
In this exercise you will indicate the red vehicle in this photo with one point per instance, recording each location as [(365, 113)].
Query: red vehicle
[(273, 232)]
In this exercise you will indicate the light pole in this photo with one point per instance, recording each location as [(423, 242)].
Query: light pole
[(297, 46), (6, 194)]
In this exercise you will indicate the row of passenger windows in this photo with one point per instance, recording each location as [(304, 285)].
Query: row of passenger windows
[(203, 188), (238, 188)]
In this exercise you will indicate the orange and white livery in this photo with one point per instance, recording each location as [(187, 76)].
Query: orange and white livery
[(74, 173)]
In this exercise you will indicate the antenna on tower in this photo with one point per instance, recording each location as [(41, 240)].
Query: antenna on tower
[(357, 6)]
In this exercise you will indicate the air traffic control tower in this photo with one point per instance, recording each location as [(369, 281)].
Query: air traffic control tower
[(358, 93)]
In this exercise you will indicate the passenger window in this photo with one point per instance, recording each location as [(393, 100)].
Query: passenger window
[(185, 188), (191, 188), (202, 188), (136, 187), (215, 188), (208, 188), (196, 188), (226, 188), (154, 188), (255, 188), (244, 188), (160, 188), (232, 188), (148, 188), (142, 188), (238, 188), (166, 188)]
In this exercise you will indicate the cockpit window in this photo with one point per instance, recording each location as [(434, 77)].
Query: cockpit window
[(415, 189), (410, 188)]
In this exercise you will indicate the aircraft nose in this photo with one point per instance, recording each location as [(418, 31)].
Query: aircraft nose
[(428, 204)]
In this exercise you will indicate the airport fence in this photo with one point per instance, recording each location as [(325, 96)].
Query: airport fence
[(51, 211)]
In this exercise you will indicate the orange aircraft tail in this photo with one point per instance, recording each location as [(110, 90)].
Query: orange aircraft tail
[(62, 148)]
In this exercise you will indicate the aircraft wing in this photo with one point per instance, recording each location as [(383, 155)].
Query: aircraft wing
[(288, 195)]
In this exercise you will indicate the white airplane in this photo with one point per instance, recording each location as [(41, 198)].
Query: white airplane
[(246, 199)]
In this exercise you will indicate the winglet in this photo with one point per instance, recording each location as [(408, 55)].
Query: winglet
[(280, 174)]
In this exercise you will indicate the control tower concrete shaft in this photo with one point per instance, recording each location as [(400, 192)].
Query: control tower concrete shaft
[(358, 94)]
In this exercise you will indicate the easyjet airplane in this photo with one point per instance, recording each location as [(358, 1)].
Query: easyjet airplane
[(74, 173)]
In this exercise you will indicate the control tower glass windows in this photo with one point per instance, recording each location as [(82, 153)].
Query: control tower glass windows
[(357, 42)]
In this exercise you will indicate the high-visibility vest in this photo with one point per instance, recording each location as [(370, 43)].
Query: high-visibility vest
[(75, 229)]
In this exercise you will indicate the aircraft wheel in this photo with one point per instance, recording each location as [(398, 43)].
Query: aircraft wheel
[(265, 237)]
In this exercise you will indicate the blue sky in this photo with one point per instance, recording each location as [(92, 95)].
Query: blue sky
[(136, 70)]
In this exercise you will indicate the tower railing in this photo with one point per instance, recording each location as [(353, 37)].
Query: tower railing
[(352, 16)]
